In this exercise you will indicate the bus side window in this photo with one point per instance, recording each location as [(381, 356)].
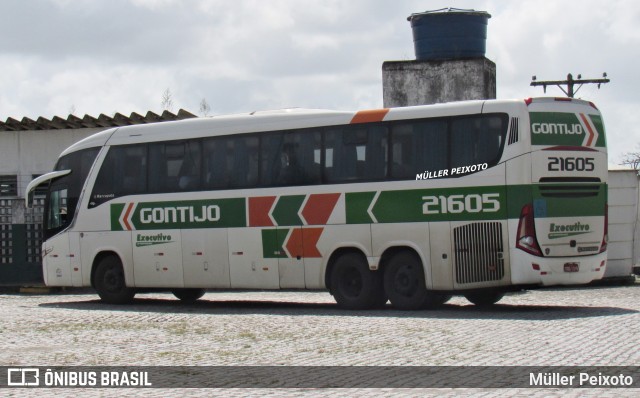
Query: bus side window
[(340, 158), (230, 162), (494, 129), (189, 172), (175, 166), (477, 140), (403, 152), (133, 166), (242, 161), (215, 156), (291, 158), (356, 153), (123, 172), (273, 159), (419, 146), (377, 152), (464, 141), (309, 148)]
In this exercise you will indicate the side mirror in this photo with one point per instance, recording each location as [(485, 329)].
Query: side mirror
[(28, 195)]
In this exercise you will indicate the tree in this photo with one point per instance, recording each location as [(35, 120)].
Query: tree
[(631, 159), (204, 107), (167, 101)]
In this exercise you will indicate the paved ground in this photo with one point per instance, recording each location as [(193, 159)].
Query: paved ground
[(565, 327)]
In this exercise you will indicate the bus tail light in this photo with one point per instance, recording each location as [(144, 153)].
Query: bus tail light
[(526, 238), (605, 236)]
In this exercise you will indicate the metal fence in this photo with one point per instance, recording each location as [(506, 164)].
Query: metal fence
[(20, 242)]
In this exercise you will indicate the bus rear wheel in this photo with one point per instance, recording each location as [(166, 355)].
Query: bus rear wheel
[(405, 284), (109, 282), (484, 299), (188, 295), (354, 286)]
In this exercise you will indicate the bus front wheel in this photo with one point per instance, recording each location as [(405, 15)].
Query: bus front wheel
[(354, 286), (188, 295), (109, 282)]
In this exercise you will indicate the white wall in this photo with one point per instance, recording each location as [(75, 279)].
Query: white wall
[(25, 153), (624, 237)]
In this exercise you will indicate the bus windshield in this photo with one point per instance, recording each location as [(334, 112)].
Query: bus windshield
[(64, 192)]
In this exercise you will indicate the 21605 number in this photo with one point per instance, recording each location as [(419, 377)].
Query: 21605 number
[(571, 164), (472, 203)]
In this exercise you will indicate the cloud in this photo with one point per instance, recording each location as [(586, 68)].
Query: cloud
[(120, 55)]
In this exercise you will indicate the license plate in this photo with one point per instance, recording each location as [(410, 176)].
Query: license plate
[(571, 267)]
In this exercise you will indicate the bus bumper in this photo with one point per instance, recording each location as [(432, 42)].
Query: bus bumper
[(550, 271)]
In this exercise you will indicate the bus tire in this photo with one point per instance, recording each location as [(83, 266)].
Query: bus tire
[(405, 285), (354, 286), (188, 295), (484, 299), (109, 282)]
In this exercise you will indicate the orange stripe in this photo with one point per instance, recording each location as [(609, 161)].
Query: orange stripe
[(319, 207), (591, 133), (310, 238), (370, 116), (125, 219), (259, 211)]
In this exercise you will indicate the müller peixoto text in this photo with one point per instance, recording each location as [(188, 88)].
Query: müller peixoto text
[(581, 379)]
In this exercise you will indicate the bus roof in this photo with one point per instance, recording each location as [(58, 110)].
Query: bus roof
[(274, 120), (213, 126)]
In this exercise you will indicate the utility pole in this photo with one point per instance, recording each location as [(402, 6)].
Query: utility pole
[(570, 83)]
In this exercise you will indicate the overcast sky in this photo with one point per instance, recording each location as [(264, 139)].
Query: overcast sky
[(92, 57)]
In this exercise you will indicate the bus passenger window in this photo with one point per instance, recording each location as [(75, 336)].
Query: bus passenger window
[(291, 158), (230, 162), (273, 159), (133, 166), (123, 172), (215, 163), (242, 161), (477, 140), (419, 146), (175, 165), (354, 153), (188, 173)]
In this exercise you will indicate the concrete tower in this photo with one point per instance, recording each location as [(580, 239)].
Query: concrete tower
[(450, 61)]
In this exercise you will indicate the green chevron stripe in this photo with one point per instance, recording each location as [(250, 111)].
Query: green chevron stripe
[(273, 243), (357, 204), (286, 210)]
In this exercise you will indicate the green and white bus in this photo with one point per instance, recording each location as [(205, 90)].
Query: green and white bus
[(408, 205)]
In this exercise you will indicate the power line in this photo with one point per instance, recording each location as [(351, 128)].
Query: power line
[(570, 83)]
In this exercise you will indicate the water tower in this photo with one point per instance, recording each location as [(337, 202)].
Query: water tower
[(450, 61)]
